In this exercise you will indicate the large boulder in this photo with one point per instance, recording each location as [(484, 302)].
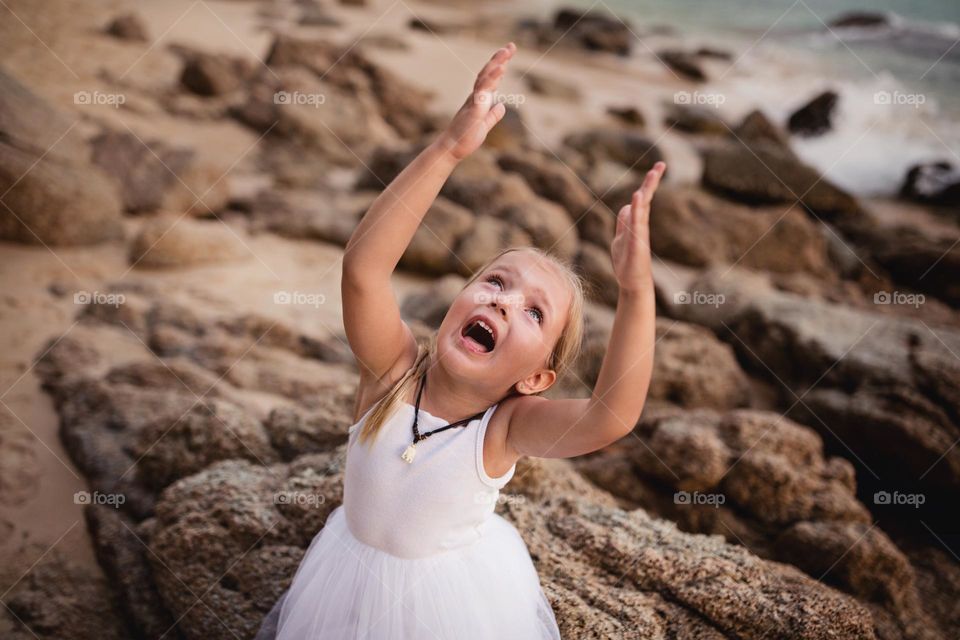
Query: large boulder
[(698, 229), (764, 173), (168, 242), (606, 571), (51, 195)]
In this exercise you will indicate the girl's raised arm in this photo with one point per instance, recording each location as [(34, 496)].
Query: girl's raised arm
[(564, 428), (378, 336)]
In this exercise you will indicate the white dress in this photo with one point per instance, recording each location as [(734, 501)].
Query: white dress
[(416, 552)]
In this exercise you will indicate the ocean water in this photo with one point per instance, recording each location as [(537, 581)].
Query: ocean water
[(899, 85)]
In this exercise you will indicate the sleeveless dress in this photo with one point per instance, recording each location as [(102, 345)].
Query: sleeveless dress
[(415, 551)]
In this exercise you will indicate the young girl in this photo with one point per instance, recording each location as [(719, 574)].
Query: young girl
[(416, 551)]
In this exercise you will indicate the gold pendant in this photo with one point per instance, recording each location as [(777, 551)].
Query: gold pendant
[(409, 453)]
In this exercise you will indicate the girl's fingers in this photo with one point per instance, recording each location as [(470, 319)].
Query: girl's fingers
[(498, 60), (650, 182)]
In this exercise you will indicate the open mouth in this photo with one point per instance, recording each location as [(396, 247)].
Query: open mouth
[(481, 334)]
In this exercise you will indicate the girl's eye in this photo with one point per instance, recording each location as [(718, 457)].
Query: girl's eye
[(539, 314), (492, 278)]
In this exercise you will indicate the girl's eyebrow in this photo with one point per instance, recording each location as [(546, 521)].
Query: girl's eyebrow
[(537, 290)]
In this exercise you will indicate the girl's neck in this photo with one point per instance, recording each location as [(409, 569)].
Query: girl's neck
[(442, 399)]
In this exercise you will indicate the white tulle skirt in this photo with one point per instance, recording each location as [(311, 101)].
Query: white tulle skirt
[(345, 589)]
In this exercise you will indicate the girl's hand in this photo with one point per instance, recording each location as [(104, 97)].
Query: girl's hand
[(469, 127), (630, 249)]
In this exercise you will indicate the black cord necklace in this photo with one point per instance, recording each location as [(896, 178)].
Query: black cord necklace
[(411, 451)]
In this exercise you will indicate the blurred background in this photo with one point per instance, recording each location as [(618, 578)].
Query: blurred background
[(177, 182)]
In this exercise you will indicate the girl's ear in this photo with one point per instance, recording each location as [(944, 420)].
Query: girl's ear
[(537, 382)]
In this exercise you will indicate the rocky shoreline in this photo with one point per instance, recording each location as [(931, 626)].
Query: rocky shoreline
[(182, 326)]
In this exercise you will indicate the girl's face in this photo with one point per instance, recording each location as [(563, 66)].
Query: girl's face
[(501, 329)]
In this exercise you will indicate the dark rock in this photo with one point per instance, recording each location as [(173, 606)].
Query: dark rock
[(686, 64), (933, 183), (593, 30), (861, 19), (757, 127), (765, 173), (123, 557), (629, 148), (815, 117), (129, 26), (209, 74), (144, 171), (628, 115)]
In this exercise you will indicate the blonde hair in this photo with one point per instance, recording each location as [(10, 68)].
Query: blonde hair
[(562, 357)]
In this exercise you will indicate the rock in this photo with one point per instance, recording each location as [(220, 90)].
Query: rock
[(768, 239), (580, 553), (488, 237), (123, 557), (765, 173), (430, 305), (129, 26), (313, 214), (629, 148), (403, 106), (144, 171), (313, 117), (553, 180), (933, 183), (509, 133), (208, 432), (694, 119), (549, 226), (687, 370), (294, 433), (209, 74), (167, 243), (317, 16), (861, 19), (815, 117), (551, 87), (50, 196), (596, 268), (628, 115), (917, 258), (686, 64), (594, 30), (58, 598), (875, 384), (432, 248), (757, 127)]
